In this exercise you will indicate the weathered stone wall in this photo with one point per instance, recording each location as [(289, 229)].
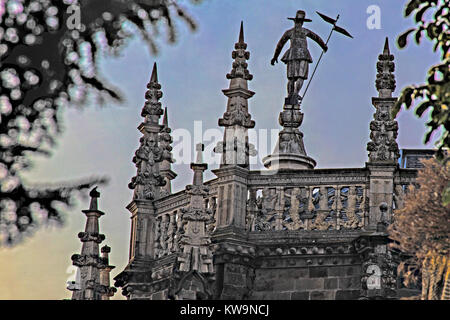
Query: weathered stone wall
[(237, 281), (310, 283)]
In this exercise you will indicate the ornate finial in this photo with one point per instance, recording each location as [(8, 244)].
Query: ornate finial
[(152, 108), (198, 167), (106, 249), (240, 57), (94, 194), (385, 82)]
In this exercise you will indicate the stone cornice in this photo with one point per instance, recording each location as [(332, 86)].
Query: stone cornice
[(238, 92), (136, 204), (309, 177), (231, 170), (378, 100)]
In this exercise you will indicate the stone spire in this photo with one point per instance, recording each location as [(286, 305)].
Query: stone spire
[(89, 262), (148, 179), (384, 129), (196, 257), (165, 166), (385, 82), (235, 147)]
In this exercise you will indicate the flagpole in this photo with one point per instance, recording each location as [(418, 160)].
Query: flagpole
[(318, 61)]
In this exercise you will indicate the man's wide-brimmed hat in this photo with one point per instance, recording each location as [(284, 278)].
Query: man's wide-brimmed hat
[(300, 16)]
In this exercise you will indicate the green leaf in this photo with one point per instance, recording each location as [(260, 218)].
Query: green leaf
[(411, 6), (408, 101), (421, 12), (403, 38), (436, 46), (396, 108), (423, 107), (418, 36), (406, 97), (438, 13)]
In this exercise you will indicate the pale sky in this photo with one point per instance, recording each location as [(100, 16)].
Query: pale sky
[(101, 141)]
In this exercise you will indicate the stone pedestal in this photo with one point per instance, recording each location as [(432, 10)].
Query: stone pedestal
[(290, 153), (288, 161)]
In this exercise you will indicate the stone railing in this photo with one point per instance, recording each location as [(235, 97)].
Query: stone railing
[(333, 199), (316, 207)]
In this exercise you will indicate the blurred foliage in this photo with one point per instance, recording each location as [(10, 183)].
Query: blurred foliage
[(421, 229), (433, 20), (49, 53)]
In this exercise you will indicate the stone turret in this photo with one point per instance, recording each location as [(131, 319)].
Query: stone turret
[(235, 147), (91, 285)]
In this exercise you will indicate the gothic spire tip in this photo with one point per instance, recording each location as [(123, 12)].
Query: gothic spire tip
[(241, 33), (154, 77), (386, 47)]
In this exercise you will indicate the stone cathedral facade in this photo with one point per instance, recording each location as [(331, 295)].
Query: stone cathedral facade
[(288, 232)]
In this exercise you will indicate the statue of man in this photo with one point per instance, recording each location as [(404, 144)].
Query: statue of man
[(297, 57)]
